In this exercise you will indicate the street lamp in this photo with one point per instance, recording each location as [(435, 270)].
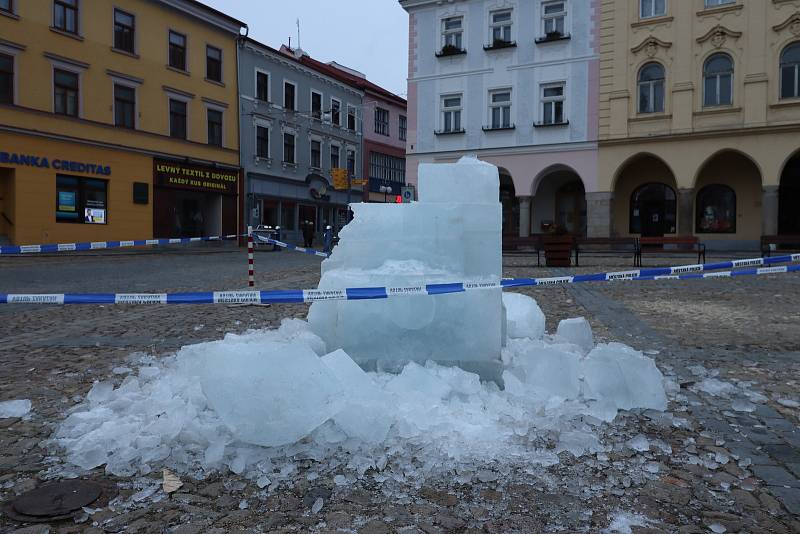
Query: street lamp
[(385, 189)]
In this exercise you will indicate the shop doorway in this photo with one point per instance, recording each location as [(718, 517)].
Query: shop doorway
[(510, 202), (789, 199), (653, 210), (187, 213), (559, 202)]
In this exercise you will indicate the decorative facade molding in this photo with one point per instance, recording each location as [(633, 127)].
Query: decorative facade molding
[(793, 23), (650, 46), (718, 35)]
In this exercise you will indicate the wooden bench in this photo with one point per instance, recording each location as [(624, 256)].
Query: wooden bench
[(678, 245), (607, 245), (788, 243), (524, 245)]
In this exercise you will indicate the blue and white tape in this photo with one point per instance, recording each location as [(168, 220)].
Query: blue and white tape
[(281, 244), (371, 293), (100, 245)]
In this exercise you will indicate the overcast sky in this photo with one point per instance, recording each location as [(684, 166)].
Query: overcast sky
[(368, 35)]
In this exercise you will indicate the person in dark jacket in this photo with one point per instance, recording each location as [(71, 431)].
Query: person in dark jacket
[(308, 234)]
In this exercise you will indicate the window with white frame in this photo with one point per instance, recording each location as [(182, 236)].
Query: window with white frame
[(262, 140), (336, 112), (500, 26), (718, 81), (715, 3), (336, 151), (790, 71), (451, 113), (453, 32), (554, 16), (262, 86), (351, 118), (289, 145), (289, 96), (316, 105), (553, 103), (652, 8), (381, 121), (500, 109), (651, 88), (316, 154)]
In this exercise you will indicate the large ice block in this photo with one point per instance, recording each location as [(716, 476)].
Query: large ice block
[(452, 234)]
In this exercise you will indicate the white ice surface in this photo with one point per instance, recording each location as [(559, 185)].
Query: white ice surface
[(576, 331), (523, 316), (206, 407), (15, 408)]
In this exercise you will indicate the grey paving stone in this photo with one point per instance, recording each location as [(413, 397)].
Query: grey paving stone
[(774, 475), (790, 497), (783, 453)]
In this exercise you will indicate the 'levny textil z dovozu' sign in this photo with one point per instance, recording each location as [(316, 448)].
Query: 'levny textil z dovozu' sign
[(195, 177)]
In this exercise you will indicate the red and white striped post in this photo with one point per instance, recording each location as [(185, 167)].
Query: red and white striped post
[(251, 278)]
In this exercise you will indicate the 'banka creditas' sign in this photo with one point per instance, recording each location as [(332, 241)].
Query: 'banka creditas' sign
[(57, 164)]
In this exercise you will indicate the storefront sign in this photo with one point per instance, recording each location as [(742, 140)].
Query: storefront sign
[(196, 177), (27, 160)]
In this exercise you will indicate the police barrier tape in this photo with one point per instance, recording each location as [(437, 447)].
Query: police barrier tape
[(281, 244), (363, 293), (100, 245)]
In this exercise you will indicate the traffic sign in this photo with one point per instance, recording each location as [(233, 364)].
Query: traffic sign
[(407, 193)]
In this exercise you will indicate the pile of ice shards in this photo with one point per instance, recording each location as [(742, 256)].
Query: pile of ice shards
[(255, 403)]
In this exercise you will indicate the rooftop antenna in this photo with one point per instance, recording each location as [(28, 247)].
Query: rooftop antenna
[(290, 42), (298, 33)]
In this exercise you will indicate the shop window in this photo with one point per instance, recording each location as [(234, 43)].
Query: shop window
[(213, 63), (718, 81), (66, 86), (65, 15), (716, 210), (124, 106), (177, 119), (124, 31), (289, 148), (287, 216), (653, 210), (177, 50), (6, 79), (790, 71), (269, 212), (262, 142), (214, 127), (81, 200), (651, 88), (262, 86)]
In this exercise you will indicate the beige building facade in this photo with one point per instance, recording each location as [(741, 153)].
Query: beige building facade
[(699, 120)]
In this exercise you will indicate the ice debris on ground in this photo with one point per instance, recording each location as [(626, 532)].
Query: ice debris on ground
[(523, 316), (258, 402), (15, 408), (621, 523)]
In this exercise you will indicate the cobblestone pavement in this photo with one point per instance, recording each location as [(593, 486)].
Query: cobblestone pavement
[(718, 466)]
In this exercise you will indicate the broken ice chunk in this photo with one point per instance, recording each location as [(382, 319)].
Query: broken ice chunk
[(624, 376), (15, 408), (576, 331), (524, 318), (267, 393)]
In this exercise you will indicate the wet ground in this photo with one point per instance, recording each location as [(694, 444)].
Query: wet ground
[(711, 467)]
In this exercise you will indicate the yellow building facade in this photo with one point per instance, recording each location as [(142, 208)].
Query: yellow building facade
[(118, 120), (699, 120)]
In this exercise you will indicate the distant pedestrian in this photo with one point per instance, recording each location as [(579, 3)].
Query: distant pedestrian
[(308, 234)]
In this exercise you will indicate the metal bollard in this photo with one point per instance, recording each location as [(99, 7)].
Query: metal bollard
[(251, 279)]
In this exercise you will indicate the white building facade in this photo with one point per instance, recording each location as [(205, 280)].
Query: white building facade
[(514, 82)]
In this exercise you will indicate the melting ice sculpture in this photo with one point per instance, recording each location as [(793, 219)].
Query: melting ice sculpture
[(453, 234)]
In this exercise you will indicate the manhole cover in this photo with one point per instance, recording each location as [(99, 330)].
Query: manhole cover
[(58, 500)]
